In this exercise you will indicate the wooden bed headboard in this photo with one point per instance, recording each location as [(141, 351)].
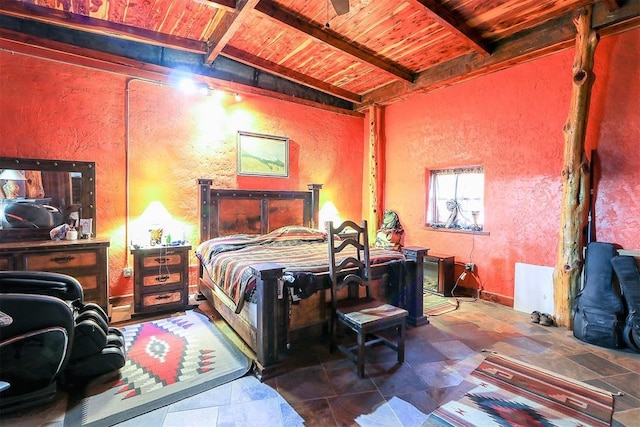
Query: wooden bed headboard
[(224, 212)]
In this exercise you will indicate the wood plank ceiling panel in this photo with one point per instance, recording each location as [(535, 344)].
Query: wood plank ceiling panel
[(301, 53), (498, 19), (395, 31), (179, 18)]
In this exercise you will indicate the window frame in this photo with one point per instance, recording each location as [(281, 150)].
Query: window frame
[(431, 211)]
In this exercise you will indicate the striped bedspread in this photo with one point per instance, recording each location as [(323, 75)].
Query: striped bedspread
[(227, 260)]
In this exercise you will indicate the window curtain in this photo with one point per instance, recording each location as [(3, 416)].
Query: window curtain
[(458, 196)]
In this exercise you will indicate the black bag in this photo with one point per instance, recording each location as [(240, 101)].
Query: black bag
[(598, 308), (626, 269)]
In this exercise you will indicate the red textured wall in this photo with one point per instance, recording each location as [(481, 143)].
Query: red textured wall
[(58, 111), (511, 122)]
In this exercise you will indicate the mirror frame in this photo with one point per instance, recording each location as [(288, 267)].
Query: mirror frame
[(88, 170)]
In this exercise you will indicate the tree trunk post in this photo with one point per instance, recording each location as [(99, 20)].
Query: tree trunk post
[(375, 177), (566, 277)]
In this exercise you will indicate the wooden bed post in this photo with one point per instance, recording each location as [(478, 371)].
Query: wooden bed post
[(272, 327), (315, 203), (204, 203), (566, 276)]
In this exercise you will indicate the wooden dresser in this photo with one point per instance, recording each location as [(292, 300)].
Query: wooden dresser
[(86, 260), (161, 278)]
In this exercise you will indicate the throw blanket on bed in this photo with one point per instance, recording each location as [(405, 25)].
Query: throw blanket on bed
[(228, 260)]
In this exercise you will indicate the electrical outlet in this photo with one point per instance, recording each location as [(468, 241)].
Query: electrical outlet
[(470, 266), (127, 272)]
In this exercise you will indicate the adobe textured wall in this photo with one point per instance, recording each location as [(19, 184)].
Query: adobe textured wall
[(511, 122)]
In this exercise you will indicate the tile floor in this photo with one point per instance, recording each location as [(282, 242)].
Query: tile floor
[(322, 389)]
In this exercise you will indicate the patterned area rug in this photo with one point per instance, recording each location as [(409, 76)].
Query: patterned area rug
[(512, 393), (167, 360), (435, 305)]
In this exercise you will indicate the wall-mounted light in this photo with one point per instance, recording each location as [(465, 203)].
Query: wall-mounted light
[(190, 86), (11, 188)]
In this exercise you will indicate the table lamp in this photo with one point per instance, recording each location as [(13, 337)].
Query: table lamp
[(11, 188)]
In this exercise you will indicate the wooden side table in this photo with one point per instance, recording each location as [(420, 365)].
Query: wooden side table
[(161, 278)]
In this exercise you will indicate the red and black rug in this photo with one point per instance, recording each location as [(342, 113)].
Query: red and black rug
[(509, 392), (167, 360)]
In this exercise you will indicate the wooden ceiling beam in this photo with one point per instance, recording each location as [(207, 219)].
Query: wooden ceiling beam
[(227, 5), (84, 57), (231, 22), (101, 27), (273, 11), (547, 38), (287, 73), (456, 25)]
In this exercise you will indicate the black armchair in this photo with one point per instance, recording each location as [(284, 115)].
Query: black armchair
[(48, 335)]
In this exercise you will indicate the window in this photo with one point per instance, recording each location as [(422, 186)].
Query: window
[(456, 198)]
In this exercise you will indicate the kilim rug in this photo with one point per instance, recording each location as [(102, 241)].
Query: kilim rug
[(435, 305), (167, 360), (509, 392)]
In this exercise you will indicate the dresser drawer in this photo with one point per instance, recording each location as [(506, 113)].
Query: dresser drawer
[(161, 300), (60, 260), (162, 279), (89, 282), (161, 260), (6, 263)]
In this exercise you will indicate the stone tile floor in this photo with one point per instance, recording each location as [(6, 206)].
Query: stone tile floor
[(322, 389)]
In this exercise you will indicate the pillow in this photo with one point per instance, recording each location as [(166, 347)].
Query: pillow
[(295, 233)]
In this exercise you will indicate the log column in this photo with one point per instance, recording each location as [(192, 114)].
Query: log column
[(566, 277), (374, 215)]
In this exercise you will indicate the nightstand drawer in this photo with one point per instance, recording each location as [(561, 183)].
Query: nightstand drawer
[(160, 260), (60, 260), (159, 300), (162, 279)]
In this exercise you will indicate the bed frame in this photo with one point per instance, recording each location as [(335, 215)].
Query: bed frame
[(224, 212)]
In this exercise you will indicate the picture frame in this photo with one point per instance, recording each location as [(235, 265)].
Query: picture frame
[(263, 155)]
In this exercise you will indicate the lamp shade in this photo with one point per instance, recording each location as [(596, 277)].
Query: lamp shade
[(10, 188), (328, 212), (12, 175)]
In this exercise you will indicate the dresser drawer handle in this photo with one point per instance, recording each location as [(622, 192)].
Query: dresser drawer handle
[(63, 259), (163, 297), (162, 260), (162, 278)]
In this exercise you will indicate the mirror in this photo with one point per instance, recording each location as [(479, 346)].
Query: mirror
[(38, 195)]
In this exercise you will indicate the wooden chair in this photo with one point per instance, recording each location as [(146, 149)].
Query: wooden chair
[(368, 317)]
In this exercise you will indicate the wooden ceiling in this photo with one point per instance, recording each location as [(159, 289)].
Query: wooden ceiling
[(379, 52)]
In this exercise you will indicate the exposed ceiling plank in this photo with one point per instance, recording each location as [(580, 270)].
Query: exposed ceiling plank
[(231, 22), (452, 23), (77, 56), (287, 73), (272, 11), (73, 21), (537, 42)]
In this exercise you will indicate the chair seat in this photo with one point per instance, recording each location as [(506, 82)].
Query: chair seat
[(368, 315)]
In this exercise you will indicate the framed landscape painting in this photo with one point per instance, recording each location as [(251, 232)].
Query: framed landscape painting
[(263, 155)]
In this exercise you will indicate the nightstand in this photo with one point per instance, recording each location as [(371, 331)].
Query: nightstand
[(161, 278)]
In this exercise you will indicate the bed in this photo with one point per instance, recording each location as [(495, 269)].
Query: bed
[(263, 267)]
